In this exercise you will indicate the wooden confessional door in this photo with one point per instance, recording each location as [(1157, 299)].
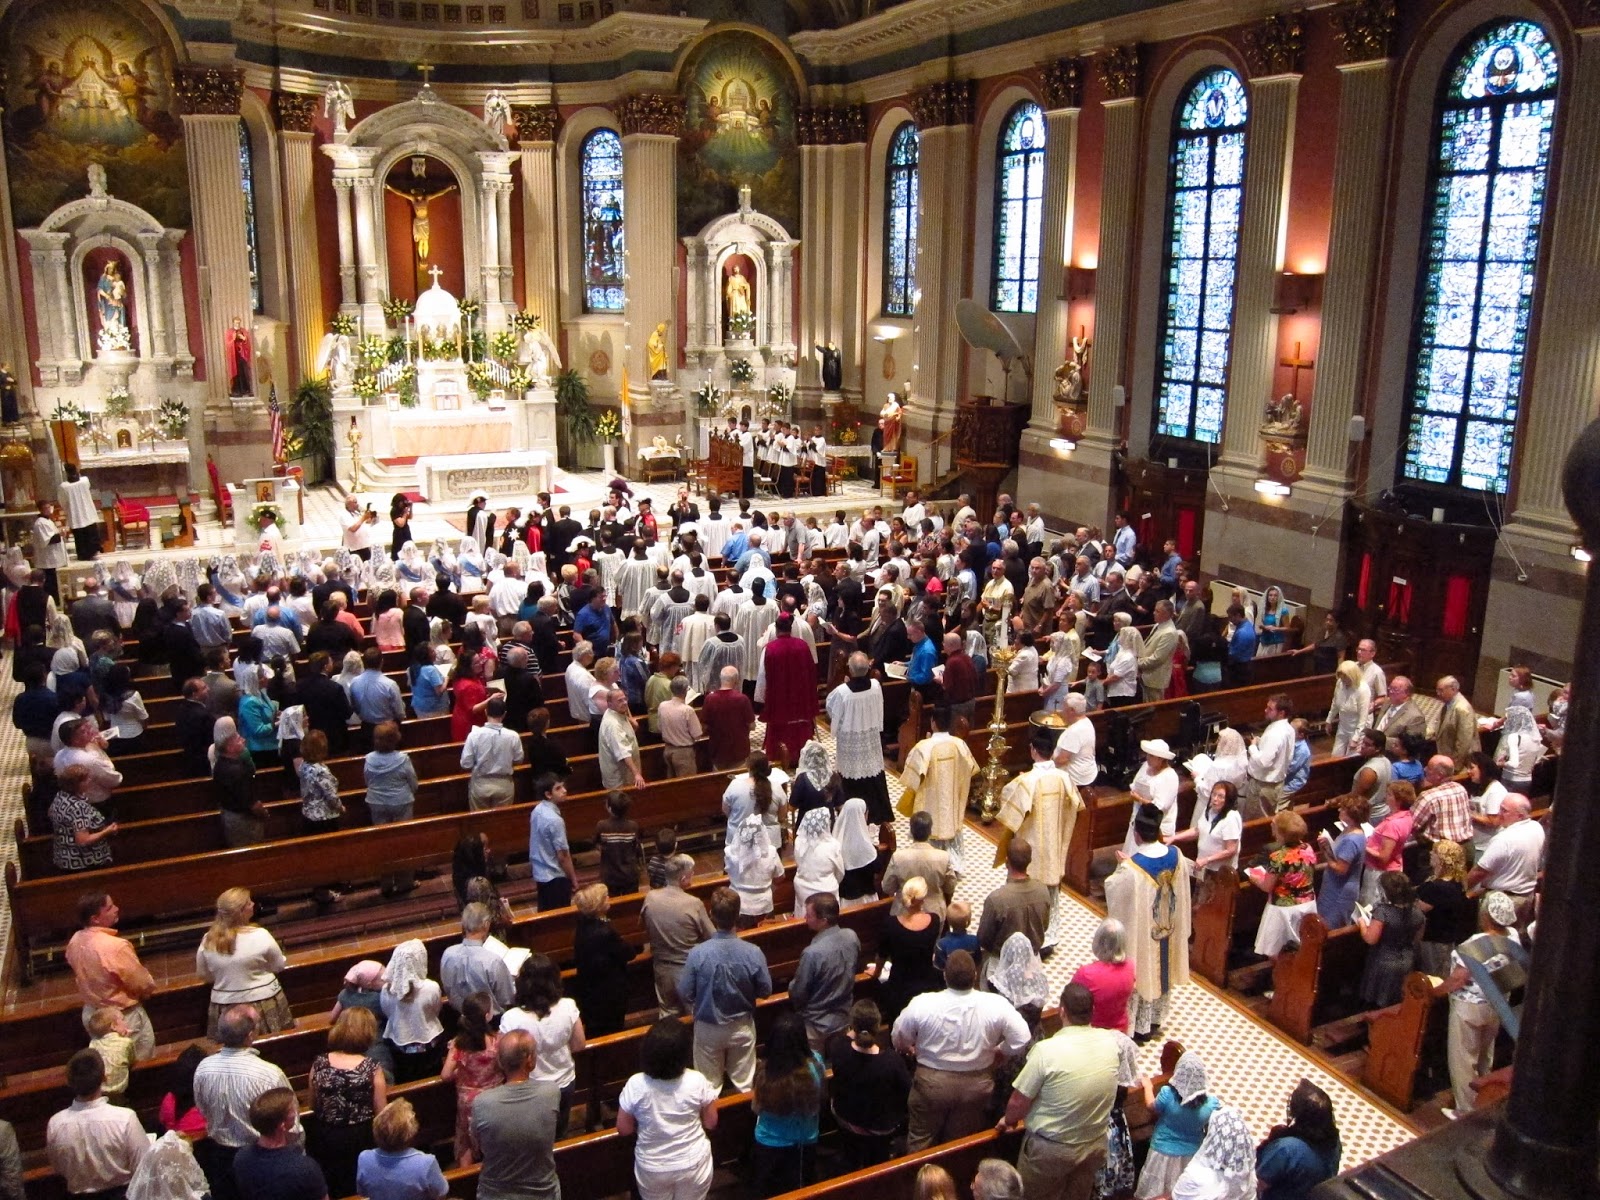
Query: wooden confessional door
[(1165, 502)]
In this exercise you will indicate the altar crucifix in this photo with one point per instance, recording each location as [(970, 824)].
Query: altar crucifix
[(417, 194)]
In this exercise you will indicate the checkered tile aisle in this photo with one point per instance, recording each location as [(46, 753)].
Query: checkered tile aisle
[(1247, 1065)]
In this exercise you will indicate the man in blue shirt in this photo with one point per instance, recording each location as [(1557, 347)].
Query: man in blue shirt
[(208, 623), (738, 542), (1125, 540), (34, 711), (924, 657), (1299, 759), (594, 624), (720, 983), (1174, 560), (549, 858), (375, 697), (1241, 648)]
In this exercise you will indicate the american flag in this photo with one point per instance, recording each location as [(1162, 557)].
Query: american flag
[(277, 424)]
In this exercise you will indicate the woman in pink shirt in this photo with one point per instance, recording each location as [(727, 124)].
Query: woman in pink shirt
[(1386, 846), (1109, 977)]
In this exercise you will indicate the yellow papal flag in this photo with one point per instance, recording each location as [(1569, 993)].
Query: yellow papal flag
[(627, 409)]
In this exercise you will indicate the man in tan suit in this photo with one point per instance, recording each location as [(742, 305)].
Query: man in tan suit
[(921, 858), (1401, 715), (1457, 738), (1155, 664)]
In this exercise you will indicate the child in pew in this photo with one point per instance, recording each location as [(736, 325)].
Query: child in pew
[(1094, 687), (1181, 1110), (178, 1112), (956, 920), (666, 847), (471, 1064), (109, 1037), (620, 847)]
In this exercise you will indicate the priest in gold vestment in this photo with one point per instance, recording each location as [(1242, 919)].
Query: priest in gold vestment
[(937, 780), (1149, 894), (1042, 806)]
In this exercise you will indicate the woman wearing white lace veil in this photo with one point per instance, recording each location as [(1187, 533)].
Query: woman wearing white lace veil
[(818, 858), (443, 561), (1020, 976), (410, 1003), (168, 1172), (122, 585), (471, 567), (859, 852), (1228, 765), (411, 569), (1225, 1168), (1059, 674), (1181, 1109), (813, 778), (752, 865)]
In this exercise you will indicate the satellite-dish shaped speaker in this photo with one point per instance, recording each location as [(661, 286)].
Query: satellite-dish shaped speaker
[(981, 328)]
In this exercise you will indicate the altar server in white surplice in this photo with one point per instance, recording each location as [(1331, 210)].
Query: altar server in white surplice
[(723, 648), (697, 629), (753, 618), (937, 780), (855, 714), (1042, 805), (634, 578)]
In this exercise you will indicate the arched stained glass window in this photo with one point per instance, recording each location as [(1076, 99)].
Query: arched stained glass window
[(900, 223), (248, 178), (601, 158), (1205, 189), (1018, 209), (1490, 170)]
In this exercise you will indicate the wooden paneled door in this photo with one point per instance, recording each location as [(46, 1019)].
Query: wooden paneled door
[(1165, 502)]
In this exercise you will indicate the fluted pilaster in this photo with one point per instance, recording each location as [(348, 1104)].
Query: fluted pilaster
[(1566, 372), (943, 113), (537, 164), (1352, 255), (650, 226), (1119, 173), (300, 218), (1260, 257), (1055, 241), (832, 250), (216, 188)]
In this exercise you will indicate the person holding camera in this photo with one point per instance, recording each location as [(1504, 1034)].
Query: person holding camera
[(358, 528)]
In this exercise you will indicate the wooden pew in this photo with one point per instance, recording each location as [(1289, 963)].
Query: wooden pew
[(1308, 981), (1396, 1037)]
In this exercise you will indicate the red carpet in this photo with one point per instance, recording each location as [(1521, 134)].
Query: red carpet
[(409, 460)]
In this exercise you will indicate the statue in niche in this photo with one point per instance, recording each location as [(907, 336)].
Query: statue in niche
[(1284, 417), (97, 181), (891, 420), (737, 294), (832, 367), (656, 352), (111, 299), (337, 103), (540, 353), (10, 412), (237, 341), (1069, 375), (419, 198)]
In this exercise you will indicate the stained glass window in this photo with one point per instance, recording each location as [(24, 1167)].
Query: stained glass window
[(1204, 191), (1490, 168), (601, 156), (247, 175), (1018, 209), (900, 223)]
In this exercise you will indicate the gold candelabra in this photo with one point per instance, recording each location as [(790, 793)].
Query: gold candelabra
[(353, 438), (994, 772)]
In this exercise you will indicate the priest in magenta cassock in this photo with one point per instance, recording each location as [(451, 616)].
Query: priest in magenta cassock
[(786, 686)]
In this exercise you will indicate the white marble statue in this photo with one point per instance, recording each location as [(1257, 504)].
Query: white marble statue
[(97, 181), (540, 354), (338, 104), (336, 360), (496, 111)]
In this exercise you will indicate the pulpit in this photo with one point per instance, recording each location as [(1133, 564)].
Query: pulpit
[(284, 493)]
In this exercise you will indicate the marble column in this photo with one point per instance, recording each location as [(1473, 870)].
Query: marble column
[(1254, 356), (943, 113), (296, 114), (832, 247), (208, 98), (1063, 92), (1561, 397), (155, 308), (372, 268), (13, 334), (536, 162), (343, 185), (1364, 96), (508, 274), (651, 123)]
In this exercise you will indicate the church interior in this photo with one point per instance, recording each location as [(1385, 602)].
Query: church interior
[(1272, 311)]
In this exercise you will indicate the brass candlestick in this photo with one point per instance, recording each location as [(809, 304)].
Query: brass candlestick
[(994, 772), (353, 437)]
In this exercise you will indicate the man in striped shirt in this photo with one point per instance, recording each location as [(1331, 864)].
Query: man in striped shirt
[(225, 1085)]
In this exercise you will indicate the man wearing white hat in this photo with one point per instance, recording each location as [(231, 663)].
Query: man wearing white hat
[(1042, 805), (1155, 784)]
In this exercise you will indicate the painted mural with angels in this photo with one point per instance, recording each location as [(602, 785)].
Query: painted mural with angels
[(89, 81)]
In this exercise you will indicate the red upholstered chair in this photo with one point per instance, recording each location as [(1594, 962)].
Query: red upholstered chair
[(219, 493), (133, 522)]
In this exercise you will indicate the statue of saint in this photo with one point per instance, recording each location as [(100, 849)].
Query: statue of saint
[(237, 340), (737, 293), (419, 198), (832, 368), (338, 104), (539, 351), (336, 361), (891, 421), (1284, 417), (111, 300), (656, 352), (1069, 375), (10, 413)]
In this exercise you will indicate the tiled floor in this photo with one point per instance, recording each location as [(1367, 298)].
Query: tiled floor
[(1249, 1065)]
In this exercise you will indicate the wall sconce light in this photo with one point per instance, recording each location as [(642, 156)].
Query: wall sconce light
[(1063, 445), (1080, 283), (1293, 292), (1579, 553), (1271, 487)]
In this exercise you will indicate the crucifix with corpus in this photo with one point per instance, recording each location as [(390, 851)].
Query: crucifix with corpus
[(1286, 416)]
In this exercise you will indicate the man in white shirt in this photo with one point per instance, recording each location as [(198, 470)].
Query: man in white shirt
[(358, 523), (837, 535), (506, 597), (915, 513), (491, 753), (964, 511), (1075, 748), (1510, 862), (619, 744), (1268, 759), (1371, 672), (580, 682), (93, 1145), (956, 1035), (225, 1085), (82, 518)]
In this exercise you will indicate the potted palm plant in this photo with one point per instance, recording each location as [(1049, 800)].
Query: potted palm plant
[(575, 430)]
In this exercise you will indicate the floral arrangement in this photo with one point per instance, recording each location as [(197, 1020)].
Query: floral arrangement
[(742, 324), (707, 399), (741, 371), (397, 310), (119, 402), (405, 386), (521, 381), (523, 321), (66, 410), (373, 352), (172, 418), (469, 308), (481, 379), (266, 510), (366, 385), (609, 427), (343, 323), (503, 345), (779, 395)]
